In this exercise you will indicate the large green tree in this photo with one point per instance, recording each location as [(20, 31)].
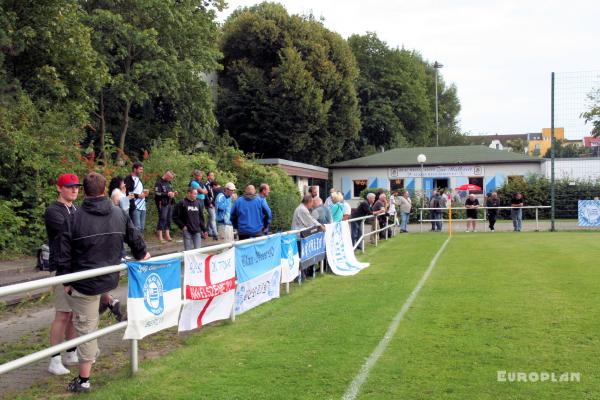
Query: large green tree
[(287, 86), (396, 90), (49, 74), (158, 54)]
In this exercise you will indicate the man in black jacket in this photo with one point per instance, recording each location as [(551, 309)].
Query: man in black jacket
[(92, 238), (55, 216), (163, 196), (189, 216)]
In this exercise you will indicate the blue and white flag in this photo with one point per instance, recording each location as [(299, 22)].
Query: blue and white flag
[(154, 297), (588, 212), (340, 252), (258, 271), (290, 260)]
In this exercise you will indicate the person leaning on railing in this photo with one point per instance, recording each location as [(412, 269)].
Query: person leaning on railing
[(92, 238), (302, 218)]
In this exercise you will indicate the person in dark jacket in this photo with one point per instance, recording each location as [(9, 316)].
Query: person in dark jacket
[(250, 215), (55, 216), (163, 196), (92, 238), (492, 212), (189, 216)]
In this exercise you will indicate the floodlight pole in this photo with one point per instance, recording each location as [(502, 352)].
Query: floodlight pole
[(436, 66), (553, 145)]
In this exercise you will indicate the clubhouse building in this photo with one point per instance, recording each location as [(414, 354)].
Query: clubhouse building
[(445, 167)]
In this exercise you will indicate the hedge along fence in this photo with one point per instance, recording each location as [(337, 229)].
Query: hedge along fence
[(22, 225)]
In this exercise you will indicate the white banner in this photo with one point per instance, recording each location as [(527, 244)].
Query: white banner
[(154, 297), (208, 287), (257, 290), (290, 260), (340, 253), (436, 171)]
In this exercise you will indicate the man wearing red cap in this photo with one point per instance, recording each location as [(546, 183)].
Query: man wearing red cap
[(67, 186)]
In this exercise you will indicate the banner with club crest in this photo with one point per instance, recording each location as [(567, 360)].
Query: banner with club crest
[(154, 296), (340, 253), (258, 273), (588, 212), (208, 288)]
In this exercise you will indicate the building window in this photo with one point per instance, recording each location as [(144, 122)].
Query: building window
[(396, 184), (359, 186), (476, 181)]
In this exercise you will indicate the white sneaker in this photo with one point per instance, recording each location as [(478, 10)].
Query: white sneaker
[(56, 366), (467, 231), (71, 358)]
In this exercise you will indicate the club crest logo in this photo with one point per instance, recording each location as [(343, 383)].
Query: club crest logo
[(153, 294)]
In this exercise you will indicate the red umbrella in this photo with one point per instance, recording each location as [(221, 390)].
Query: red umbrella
[(469, 187)]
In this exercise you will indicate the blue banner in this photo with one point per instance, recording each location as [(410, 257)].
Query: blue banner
[(312, 246), (255, 259), (588, 212), (168, 272)]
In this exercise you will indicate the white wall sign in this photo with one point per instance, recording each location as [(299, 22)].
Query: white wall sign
[(436, 172)]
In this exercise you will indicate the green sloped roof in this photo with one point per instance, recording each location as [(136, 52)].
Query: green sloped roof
[(437, 156)]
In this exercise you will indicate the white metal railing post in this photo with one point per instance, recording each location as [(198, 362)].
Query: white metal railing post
[(421, 219), (376, 225), (387, 224), (537, 222), (134, 356), (362, 235)]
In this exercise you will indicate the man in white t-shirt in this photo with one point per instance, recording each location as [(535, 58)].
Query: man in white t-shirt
[(137, 207)]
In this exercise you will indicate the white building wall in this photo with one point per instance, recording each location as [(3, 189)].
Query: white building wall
[(573, 168)]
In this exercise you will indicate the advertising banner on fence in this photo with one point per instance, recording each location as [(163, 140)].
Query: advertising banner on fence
[(258, 271), (340, 253), (208, 288), (154, 297), (290, 261), (588, 212), (312, 247)]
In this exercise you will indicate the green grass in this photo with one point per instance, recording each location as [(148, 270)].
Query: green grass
[(517, 302)]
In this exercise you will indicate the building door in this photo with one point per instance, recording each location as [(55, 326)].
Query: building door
[(440, 183)]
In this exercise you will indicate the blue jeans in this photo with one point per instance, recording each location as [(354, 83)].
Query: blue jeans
[(212, 222), (139, 219), (191, 241), (356, 231), (404, 222), (517, 218), (165, 216), (438, 224)]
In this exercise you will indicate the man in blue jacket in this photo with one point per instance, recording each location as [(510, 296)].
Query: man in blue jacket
[(223, 206), (250, 215)]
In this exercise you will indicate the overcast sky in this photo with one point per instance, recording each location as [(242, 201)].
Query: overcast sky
[(499, 54)]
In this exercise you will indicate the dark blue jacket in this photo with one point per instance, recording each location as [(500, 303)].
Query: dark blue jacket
[(250, 215)]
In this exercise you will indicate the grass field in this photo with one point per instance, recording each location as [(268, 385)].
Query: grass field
[(526, 302)]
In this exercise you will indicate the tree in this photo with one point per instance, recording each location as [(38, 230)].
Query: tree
[(287, 86), (593, 114), (158, 54), (567, 150), (49, 74), (517, 145), (396, 91)]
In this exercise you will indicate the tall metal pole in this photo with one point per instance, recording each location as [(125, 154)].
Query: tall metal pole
[(437, 124), (553, 144), (422, 185)]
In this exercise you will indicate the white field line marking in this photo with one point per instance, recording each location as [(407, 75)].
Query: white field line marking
[(362, 375)]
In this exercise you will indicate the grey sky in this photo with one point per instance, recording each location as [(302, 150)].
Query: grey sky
[(498, 53)]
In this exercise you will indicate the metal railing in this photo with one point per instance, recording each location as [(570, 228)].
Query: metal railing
[(134, 359), (450, 209)]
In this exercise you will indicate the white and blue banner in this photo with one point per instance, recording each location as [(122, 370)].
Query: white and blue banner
[(340, 252), (258, 271), (290, 260), (154, 297), (208, 287), (588, 213)]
